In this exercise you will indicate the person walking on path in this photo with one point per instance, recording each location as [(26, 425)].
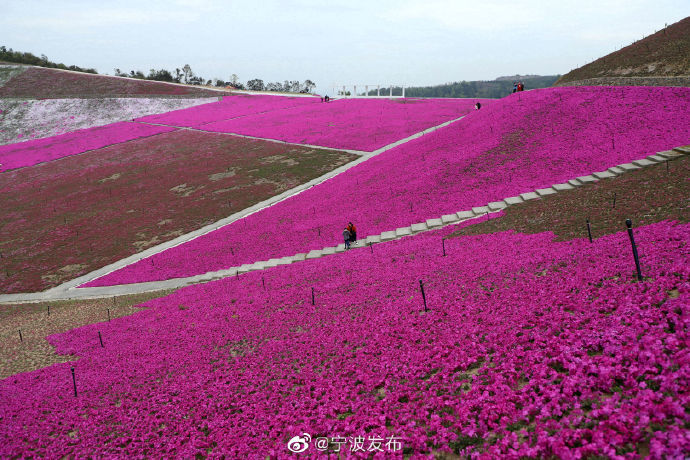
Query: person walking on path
[(353, 232), (346, 237)]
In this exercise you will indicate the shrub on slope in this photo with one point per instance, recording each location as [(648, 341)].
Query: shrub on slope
[(526, 141)]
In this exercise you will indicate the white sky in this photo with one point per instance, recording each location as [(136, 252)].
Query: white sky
[(366, 42)]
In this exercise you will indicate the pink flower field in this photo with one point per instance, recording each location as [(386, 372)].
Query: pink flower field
[(228, 107), (523, 142), (32, 152), (359, 124), (529, 348)]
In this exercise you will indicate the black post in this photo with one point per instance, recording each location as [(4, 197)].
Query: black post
[(108, 314), (589, 231), (666, 166), (443, 243), (614, 200), (371, 246), (263, 282), (100, 339), (237, 275), (48, 310), (21, 339), (628, 223), (312, 297), (421, 286), (74, 382)]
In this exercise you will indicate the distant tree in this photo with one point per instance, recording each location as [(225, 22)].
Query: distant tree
[(9, 55), (160, 75), (255, 85), (274, 86), (309, 86), (187, 73), (178, 76), (234, 80), (220, 83), (137, 74)]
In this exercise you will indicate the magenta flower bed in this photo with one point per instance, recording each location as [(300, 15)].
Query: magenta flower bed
[(357, 124), (524, 142), (228, 107), (51, 148), (531, 348)]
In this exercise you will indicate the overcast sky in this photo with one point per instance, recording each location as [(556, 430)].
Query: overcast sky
[(408, 42)]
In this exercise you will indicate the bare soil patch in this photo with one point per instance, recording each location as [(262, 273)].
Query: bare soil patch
[(40, 320)]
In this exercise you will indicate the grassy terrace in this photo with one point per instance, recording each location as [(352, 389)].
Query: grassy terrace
[(65, 218)]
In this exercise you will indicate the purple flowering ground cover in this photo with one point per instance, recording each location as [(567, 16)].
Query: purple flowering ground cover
[(229, 107), (521, 143), (359, 124), (531, 347), (32, 152)]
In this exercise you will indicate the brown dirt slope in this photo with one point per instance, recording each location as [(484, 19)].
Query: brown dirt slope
[(664, 54), (42, 83)]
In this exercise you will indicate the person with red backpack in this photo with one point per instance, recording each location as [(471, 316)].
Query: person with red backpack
[(353, 232)]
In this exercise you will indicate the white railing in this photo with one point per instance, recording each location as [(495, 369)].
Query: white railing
[(341, 91)]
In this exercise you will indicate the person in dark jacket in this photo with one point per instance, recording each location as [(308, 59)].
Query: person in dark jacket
[(346, 237)]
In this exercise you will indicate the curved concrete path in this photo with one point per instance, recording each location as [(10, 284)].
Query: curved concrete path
[(431, 224)]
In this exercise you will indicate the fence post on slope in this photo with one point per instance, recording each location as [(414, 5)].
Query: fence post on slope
[(421, 286), (628, 223), (589, 231), (100, 339), (21, 339), (74, 382), (313, 302), (614, 200)]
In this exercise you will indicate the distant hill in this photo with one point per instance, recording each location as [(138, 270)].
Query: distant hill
[(662, 58), (493, 89), (44, 83)]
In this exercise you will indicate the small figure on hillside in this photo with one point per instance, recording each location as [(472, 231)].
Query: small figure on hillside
[(321, 98), (346, 237), (478, 105), (327, 98), (353, 232), (515, 86), (520, 87)]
